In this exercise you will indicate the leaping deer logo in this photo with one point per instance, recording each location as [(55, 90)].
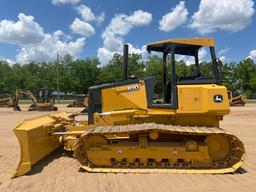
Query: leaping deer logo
[(218, 98)]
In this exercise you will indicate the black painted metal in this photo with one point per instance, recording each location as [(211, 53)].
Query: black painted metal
[(125, 62), (174, 91), (197, 69), (215, 65), (164, 75)]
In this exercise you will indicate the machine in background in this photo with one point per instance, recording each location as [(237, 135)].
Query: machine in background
[(7, 100), (236, 99), (44, 102), (80, 100)]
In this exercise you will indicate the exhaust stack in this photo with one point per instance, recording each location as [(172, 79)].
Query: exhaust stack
[(125, 63)]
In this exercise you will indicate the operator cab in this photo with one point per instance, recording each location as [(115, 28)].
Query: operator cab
[(185, 47), (139, 93), (45, 95)]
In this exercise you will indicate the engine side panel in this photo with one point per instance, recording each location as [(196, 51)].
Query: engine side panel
[(124, 97), (201, 99), (129, 104)]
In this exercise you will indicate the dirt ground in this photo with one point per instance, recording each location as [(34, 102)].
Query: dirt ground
[(60, 173)]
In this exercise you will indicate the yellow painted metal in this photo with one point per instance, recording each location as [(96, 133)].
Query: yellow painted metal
[(117, 117), (209, 42), (36, 138), (199, 99), (153, 135), (124, 107), (196, 106), (193, 99), (178, 149), (219, 147), (130, 150), (167, 171), (127, 105), (117, 98)]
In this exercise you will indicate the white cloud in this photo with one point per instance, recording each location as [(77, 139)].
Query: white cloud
[(140, 51), (139, 18), (24, 31), (100, 18), (223, 58), (82, 28), (230, 15), (36, 45), (106, 55), (87, 14), (119, 27), (252, 55), (57, 2), (221, 53), (49, 48), (202, 56), (122, 24), (174, 19)]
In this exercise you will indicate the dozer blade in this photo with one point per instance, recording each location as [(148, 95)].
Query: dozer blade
[(36, 140)]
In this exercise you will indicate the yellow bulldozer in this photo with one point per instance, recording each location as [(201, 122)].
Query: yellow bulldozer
[(236, 99), (7, 100), (45, 102), (81, 100), (127, 132)]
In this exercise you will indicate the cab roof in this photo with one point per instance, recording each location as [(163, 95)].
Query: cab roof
[(188, 46)]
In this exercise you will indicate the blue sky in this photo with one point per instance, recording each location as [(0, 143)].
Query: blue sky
[(28, 27)]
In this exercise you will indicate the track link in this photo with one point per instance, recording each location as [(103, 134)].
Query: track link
[(106, 139)]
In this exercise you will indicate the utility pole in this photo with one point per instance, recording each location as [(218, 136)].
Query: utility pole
[(58, 84)]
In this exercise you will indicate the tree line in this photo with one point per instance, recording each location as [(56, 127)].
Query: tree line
[(76, 75)]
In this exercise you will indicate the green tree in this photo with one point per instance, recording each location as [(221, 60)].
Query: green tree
[(113, 71), (83, 74), (5, 74), (245, 72), (153, 66)]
